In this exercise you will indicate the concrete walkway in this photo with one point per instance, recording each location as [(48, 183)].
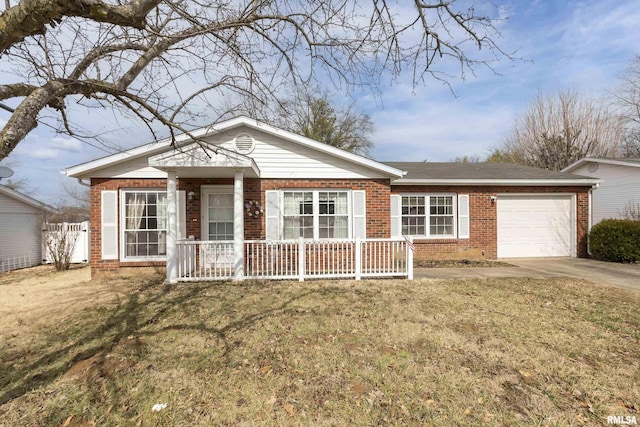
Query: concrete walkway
[(604, 273)]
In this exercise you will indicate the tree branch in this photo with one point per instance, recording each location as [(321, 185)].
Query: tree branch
[(16, 90), (30, 17)]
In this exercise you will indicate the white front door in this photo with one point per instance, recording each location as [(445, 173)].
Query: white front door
[(217, 226)]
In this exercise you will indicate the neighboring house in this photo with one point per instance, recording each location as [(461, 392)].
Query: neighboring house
[(619, 186), (247, 181), (21, 221)]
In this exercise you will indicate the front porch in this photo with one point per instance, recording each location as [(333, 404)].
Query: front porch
[(324, 237), (295, 260)]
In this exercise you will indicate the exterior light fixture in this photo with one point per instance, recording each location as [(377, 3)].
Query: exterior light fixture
[(191, 195)]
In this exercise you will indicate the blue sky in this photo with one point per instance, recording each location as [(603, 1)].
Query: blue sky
[(582, 45)]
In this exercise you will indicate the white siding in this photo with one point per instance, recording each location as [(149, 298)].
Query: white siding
[(275, 157), (620, 185), (136, 168), (20, 233)]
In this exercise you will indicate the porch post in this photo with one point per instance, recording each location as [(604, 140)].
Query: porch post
[(238, 224), (172, 228)]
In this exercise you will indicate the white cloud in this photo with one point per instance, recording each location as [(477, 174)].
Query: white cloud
[(66, 144), (45, 153)]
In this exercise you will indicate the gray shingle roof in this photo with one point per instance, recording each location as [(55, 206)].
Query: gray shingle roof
[(479, 171)]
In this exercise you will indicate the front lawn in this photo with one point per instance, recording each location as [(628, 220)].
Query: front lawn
[(491, 352)]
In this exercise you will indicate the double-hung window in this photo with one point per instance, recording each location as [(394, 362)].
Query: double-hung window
[(315, 214), (428, 215), (144, 214)]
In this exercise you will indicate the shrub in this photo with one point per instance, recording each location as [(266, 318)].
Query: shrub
[(59, 242), (616, 240)]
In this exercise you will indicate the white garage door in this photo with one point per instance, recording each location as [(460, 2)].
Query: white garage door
[(535, 226)]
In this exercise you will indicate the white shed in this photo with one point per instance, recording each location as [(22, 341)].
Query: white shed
[(619, 187), (21, 219)]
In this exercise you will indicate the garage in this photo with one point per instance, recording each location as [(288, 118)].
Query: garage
[(536, 225)]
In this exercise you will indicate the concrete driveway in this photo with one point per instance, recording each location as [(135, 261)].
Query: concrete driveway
[(604, 273)]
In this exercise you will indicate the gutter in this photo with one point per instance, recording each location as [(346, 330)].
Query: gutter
[(502, 182)]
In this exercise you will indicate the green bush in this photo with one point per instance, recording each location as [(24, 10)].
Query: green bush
[(616, 240)]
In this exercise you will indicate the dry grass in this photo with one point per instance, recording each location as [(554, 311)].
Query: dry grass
[(458, 263), (457, 352)]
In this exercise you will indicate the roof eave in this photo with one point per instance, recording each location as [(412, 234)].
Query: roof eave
[(27, 200), (617, 162), (500, 182), (83, 170)]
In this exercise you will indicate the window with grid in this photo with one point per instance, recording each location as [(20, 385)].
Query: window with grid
[(441, 216), (316, 214), (145, 223), (413, 215), (333, 212), (298, 214), (428, 215)]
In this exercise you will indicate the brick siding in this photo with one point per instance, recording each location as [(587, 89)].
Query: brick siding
[(483, 222), (377, 191), (483, 227)]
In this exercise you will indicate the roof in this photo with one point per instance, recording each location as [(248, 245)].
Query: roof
[(158, 147), (632, 162), (483, 174), (26, 199)]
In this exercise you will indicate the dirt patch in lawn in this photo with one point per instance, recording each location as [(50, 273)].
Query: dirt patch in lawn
[(41, 295), (458, 263)]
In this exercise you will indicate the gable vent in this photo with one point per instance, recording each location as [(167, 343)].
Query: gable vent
[(244, 144)]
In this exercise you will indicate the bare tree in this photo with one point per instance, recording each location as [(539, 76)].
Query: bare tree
[(314, 117), (631, 211), (627, 97), (171, 63), (473, 158), (14, 182), (59, 242), (558, 130)]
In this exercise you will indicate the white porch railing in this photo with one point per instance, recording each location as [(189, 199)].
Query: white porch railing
[(302, 259)]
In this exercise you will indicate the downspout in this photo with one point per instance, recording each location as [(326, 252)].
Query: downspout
[(81, 182), (590, 215)]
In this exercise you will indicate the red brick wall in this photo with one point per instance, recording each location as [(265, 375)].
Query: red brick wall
[(483, 227), (483, 220), (98, 265), (378, 196)]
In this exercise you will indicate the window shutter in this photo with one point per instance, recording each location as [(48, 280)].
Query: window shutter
[(272, 214), (109, 224), (359, 212), (463, 216), (396, 208), (182, 214)]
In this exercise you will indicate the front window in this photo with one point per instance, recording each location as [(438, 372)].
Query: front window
[(316, 214), (413, 216), (428, 215), (145, 224), (441, 215), (333, 211), (298, 215)]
